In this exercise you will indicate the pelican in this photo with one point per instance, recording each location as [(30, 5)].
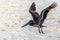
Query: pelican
[(39, 19)]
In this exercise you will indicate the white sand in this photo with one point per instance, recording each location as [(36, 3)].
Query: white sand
[(14, 14)]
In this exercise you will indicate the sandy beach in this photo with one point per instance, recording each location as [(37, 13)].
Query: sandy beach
[(14, 14)]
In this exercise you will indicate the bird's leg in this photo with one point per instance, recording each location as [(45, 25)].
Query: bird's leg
[(40, 28), (42, 31)]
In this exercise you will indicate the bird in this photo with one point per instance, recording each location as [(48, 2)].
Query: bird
[(39, 19)]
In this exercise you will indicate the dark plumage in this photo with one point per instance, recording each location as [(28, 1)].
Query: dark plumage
[(39, 19)]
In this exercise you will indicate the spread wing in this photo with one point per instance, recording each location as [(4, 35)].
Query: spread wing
[(33, 12), (44, 12)]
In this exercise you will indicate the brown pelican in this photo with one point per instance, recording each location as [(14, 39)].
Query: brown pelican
[(39, 19)]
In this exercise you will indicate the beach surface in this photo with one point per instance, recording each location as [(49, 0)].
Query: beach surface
[(14, 14)]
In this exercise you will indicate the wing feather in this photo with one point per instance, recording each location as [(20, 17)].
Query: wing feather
[(33, 12)]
